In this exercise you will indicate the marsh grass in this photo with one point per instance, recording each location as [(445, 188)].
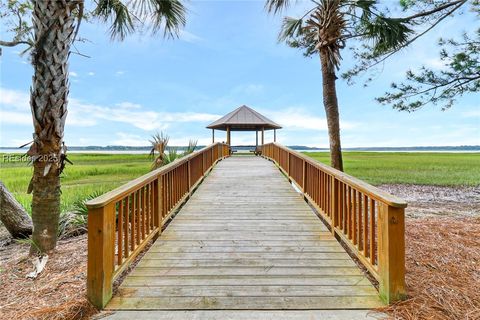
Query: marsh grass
[(89, 174), (441, 169), (99, 173)]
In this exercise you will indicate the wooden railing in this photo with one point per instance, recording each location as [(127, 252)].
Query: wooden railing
[(121, 222), (368, 220)]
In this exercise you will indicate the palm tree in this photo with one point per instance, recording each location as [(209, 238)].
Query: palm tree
[(192, 145), (161, 156), (324, 30), (158, 152), (55, 25)]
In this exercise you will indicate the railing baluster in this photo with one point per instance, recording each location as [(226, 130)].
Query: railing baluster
[(354, 217), (139, 217), (360, 221), (126, 226), (120, 233), (344, 209), (144, 211), (365, 226), (134, 220), (372, 231), (149, 208)]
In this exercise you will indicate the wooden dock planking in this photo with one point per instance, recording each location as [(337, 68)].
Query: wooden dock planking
[(245, 240)]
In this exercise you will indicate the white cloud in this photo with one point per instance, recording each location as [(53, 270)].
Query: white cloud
[(472, 113), (14, 98), (126, 139), (435, 63), (83, 114), (189, 37), (298, 118), (128, 105), (91, 73), (249, 89), (137, 116), (119, 73), (73, 74), (14, 117)]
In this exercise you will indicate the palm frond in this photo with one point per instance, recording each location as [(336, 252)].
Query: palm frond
[(291, 28), (366, 7), (159, 144), (276, 6), (168, 15), (118, 13), (79, 207), (171, 156), (192, 144)]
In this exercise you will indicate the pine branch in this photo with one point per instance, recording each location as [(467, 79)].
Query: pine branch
[(13, 43)]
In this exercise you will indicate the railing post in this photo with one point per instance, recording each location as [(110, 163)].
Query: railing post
[(100, 265), (391, 253)]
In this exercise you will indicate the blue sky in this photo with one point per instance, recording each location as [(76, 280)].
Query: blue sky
[(227, 56)]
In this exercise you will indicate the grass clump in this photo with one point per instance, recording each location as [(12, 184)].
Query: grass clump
[(429, 168)]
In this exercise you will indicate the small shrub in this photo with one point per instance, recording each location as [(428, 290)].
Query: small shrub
[(74, 222)]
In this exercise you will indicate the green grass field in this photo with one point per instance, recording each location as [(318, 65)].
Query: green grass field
[(103, 172), (88, 174), (443, 169)]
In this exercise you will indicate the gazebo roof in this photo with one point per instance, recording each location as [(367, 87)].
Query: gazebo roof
[(244, 119)]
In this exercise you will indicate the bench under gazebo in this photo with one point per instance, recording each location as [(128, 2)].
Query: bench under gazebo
[(244, 119)]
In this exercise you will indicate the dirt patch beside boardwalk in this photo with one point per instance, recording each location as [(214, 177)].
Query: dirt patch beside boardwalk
[(434, 201), (442, 251)]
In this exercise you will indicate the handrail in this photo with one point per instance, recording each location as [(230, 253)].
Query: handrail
[(375, 192), (119, 192), (121, 222), (368, 220)]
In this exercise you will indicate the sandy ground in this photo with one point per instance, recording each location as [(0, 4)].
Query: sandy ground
[(443, 259), (433, 201)]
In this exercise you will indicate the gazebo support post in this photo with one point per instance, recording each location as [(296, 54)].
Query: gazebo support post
[(274, 135), (228, 135), (256, 139), (263, 136), (213, 136)]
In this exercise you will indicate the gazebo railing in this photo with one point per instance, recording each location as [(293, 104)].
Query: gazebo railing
[(368, 220)]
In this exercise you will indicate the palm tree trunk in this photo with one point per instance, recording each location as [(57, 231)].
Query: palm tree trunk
[(53, 23), (330, 103)]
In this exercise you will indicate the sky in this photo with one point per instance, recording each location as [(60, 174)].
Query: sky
[(228, 55)]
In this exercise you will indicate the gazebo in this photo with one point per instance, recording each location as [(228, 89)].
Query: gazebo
[(244, 119)]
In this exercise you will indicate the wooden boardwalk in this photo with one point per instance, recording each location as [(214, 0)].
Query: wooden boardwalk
[(246, 240)]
